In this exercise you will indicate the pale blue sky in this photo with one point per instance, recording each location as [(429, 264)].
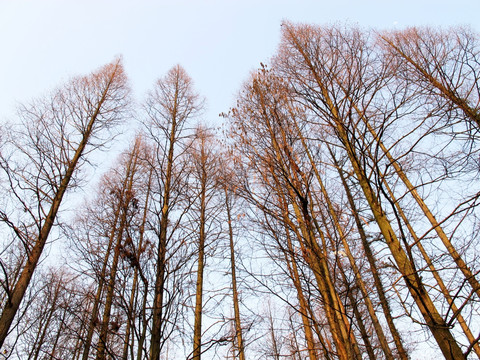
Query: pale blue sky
[(218, 42)]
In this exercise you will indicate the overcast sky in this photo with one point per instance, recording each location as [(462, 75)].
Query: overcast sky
[(218, 42)]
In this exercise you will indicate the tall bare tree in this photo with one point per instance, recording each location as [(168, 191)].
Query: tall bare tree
[(228, 186), (205, 167), (168, 108), (341, 78), (40, 162)]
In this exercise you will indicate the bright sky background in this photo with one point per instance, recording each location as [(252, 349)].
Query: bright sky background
[(218, 42)]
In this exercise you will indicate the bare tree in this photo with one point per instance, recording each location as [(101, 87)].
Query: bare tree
[(205, 167), (168, 108), (444, 65), (328, 59), (225, 179), (265, 137), (40, 159)]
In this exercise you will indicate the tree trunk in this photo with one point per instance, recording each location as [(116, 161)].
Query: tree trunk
[(402, 353), (197, 327), (236, 307), (12, 305), (124, 200), (156, 333), (101, 283)]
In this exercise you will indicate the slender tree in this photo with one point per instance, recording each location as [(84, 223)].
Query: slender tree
[(204, 186), (229, 197), (41, 157), (168, 108)]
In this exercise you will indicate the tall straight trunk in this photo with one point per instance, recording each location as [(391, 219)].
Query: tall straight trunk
[(291, 261), (156, 332), (306, 311), (124, 201), (16, 296), (129, 343), (169, 106), (302, 302), (102, 339), (143, 318), (402, 353), (236, 306), (100, 287), (143, 334), (344, 339), (137, 273), (197, 327)]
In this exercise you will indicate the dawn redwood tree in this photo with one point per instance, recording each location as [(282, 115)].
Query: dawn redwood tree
[(138, 255), (122, 185), (230, 197), (333, 75), (168, 109), (266, 138), (39, 162), (298, 120), (203, 186)]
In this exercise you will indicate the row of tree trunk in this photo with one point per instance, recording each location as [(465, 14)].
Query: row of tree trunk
[(348, 169)]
